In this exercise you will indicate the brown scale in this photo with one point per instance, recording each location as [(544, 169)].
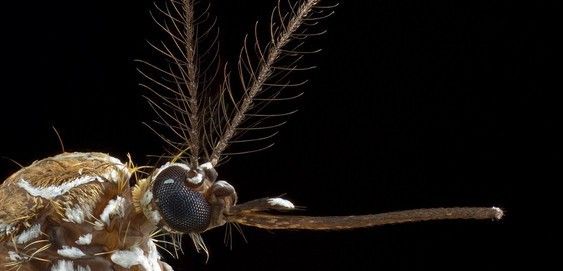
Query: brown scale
[(22, 210)]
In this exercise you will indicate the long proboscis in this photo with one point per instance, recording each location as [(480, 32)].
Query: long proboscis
[(288, 222)]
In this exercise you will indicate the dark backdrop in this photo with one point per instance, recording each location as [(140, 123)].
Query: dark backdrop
[(414, 105)]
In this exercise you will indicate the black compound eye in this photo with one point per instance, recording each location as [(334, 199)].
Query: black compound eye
[(183, 209)]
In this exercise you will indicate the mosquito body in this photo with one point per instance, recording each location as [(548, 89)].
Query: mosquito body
[(91, 211)]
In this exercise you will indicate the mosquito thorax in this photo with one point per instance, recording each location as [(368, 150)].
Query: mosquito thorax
[(184, 199)]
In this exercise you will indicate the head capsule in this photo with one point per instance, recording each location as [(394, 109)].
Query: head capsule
[(186, 200)]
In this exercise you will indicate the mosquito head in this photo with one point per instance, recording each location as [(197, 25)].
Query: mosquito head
[(187, 200)]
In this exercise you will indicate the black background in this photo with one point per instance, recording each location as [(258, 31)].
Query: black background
[(414, 105)]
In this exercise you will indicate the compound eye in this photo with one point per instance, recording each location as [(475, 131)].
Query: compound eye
[(183, 209)]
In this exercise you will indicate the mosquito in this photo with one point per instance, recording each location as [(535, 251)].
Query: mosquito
[(91, 211)]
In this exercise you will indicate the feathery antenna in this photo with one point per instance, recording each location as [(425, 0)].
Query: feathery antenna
[(262, 83), (178, 90), (202, 111)]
